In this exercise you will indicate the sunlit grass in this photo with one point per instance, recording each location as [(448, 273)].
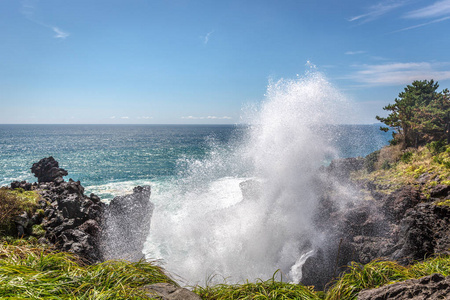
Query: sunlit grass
[(13, 203), (30, 271), (379, 273), (407, 171), (263, 290)]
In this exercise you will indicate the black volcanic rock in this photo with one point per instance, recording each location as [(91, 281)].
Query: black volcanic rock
[(431, 287), (403, 225), (48, 170), (127, 224)]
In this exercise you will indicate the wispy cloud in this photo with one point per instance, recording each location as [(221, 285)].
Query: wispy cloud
[(439, 10), (208, 117), (378, 10), (59, 33), (400, 73), (422, 24), (435, 10), (206, 37), (28, 10), (124, 118), (145, 118), (354, 52)]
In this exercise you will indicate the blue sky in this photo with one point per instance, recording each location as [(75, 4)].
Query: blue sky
[(181, 61)]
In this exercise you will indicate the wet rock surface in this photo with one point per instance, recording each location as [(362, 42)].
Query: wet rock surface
[(127, 225), (403, 225), (432, 287), (167, 291)]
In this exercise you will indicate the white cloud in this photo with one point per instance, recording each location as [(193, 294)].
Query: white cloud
[(59, 33), (206, 37), (400, 73), (28, 10), (437, 9), (124, 117), (208, 117), (422, 24), (377, 10), (354, 52), (113, 117), (145, 118)]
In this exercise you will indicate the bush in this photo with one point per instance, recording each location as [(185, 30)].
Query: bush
[(406, 157), (437, 147), (371, 160), (13, 203)]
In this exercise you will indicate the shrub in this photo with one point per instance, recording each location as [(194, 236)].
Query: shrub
[(406, 157), (371, 160), (437, 147), (13, 203)]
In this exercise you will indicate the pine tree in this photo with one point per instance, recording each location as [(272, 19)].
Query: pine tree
[(419, 115)]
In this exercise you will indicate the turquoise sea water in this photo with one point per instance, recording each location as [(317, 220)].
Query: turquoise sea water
[(110, 158)]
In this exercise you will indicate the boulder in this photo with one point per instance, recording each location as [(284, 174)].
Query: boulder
[(167, 291), (48, 170), (431, 287), (127, 224)]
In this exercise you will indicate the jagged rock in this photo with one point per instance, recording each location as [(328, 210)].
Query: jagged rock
[(423, 232), (167, 291), (127, 224), (48, 170), (439, 191), (21, 184), (431, 287), (397, 203)]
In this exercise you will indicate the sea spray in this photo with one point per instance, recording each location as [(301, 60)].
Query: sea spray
[(203, 225)]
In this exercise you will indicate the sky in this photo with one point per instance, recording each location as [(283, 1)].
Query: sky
[(201, 62)]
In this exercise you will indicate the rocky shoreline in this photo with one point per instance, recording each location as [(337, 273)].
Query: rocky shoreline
[(84, 225), (403, 225)]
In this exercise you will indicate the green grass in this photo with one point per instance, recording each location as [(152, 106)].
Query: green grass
[(406, 167), (30, 271), (379, 273), (13, 203), (263, 290)]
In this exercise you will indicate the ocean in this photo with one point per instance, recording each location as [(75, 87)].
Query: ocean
[(110, 160), (202, 225)]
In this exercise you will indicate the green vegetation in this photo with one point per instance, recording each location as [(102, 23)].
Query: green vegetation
[(379, 273), (393, 167), (13, 203), (270, 289), (31, 271), (419, 115)]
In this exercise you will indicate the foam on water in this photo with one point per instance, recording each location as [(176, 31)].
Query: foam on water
[(202, 225)]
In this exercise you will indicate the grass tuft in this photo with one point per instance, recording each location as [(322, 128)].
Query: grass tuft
[(263, 290), (13, 203), (30, 271), (378, 273)]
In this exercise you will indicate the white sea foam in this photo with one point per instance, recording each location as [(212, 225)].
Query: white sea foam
[(202, 226)]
